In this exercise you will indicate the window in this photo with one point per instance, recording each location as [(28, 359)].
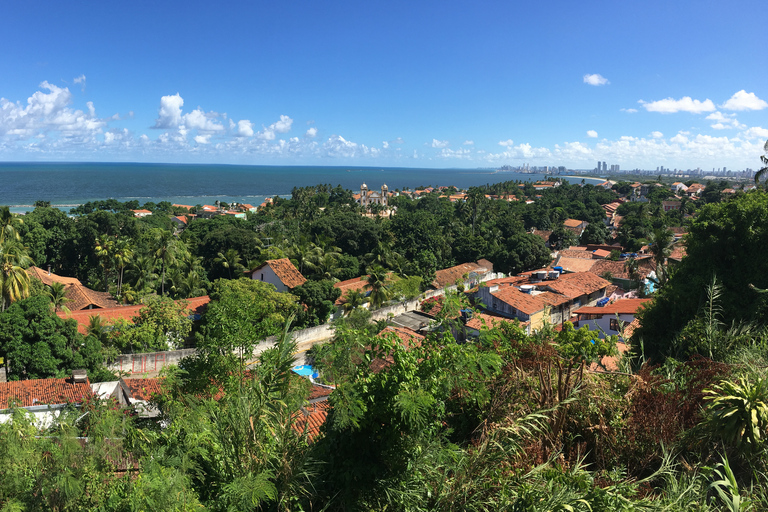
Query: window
[(262, 277), (614, 324)]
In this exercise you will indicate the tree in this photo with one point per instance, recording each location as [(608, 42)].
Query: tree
[(166, 249), (594, 233), (122, 255), (230, 260), (319, 298), (377, 282), (739, 413), (36, 344), (661, 247), (14, 280), (9, 224), (57, 294), (163, 324), (764, 169)]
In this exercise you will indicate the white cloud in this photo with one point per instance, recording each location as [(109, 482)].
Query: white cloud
[(595, 79), (201, 121), (203, 139), (657, 135), (629, 110), (724, 121), (592, 134), (684, 104), (461, 153), (398, 140), (756, 132), (439, 143), (744, 100), (507, 143), (244, 128), (80, 80), (385, 144), (680, 138), (281, 126), (311, 132), (469, 143), (169, 115)]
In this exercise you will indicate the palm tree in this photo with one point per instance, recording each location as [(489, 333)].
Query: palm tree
[(104, 250), (631, 267), (57, 293), (14, 280), (352, 300), (661, 247), (230, 259), (166, 249), (121, 256), (8, 223), (377, 281), (142, 273), (763, 170)]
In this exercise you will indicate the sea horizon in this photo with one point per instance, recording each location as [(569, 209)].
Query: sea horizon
[(68, 184)]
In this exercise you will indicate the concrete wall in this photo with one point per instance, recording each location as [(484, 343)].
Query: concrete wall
[(150, 361)]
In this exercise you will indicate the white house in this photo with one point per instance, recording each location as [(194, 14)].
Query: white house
[(611, 318), (280, 273)]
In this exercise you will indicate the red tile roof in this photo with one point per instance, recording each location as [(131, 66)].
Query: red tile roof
[(486, 321), (356, 283), (320, 392), (311, 419), (576, 264), (449, 276), (525, 302), (621, 307), (288, 274), (27, 393), (572, 223), (611, 363), (577, 284), (601, 253), (143, 389), (80, 297), (48, 278), (576, 252), (196, 305)]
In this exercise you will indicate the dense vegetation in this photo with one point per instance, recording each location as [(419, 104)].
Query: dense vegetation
[(507, 421)]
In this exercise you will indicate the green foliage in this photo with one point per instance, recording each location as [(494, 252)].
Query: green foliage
[(319, 298), (162, 324), (739, 413), (36, 344)]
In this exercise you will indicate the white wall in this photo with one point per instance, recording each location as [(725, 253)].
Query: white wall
[(603, 324), (268, 275)]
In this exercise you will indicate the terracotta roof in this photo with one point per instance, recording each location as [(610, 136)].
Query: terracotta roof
[(527, 303), (544, 235), (577, 284), (408, 337), (485, 321), (320, 392), (448, 276), (181, 218), (143, 389), (141, 212), (573, 252), (196, 306), (611, 363), (48, 278), (356, 283), (80, 297), (288, 274), (553, 299), (601, 253), (678, 252), (182, 206), (621, 307), (43, 391), (630, 329), (572, 223), (311, 418), (576, 264)]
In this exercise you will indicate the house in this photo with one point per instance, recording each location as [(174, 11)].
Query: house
[(79, 296), (280, 273), (678, 187), (581, 288), (695, 189), (235, 214), (576, 226), (196, 307), (610, 318), (511, 302), (141, 213), (468, 273), (354, 284), (670, 205), (44, 399), (140, 392)]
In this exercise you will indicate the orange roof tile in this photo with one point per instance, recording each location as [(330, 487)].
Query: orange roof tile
[(576, 252), (486, 321), (43, 391), (527, 303), (288, 274), (48, 278), (552, 299), (143, 389), (448, 276), (576, 264), (601, 253), (356, 283), (577, 284), (311, 419)]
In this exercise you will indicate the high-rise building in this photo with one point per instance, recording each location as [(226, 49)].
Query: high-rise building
[(605, 167)]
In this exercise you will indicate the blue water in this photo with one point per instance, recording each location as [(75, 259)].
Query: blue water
[(21, 184), (303, 370)]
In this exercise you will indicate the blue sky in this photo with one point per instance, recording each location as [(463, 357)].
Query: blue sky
[(427, 84)]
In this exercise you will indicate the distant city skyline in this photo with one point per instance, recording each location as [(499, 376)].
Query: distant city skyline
[(396, 84)]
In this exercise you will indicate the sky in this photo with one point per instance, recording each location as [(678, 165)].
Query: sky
[(445, 84)]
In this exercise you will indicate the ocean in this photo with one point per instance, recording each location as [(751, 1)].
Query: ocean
[(70, 184)]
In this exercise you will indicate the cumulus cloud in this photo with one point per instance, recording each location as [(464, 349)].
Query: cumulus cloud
[(461, 153), (592, 134), (281, 126), (595, 79), (744, 100), (202, 121), (244, 128), (724, 121), (507, 143), (629, 110), (756, 132), (439, 143), (311, 132), (203, 139), (169, 115), (657, 135), (684, 104)]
